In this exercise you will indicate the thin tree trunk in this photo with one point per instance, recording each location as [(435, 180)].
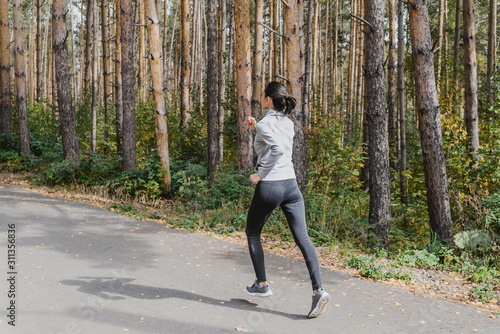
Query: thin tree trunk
[(315, 31), (106, 68), (185, 64), (142, 53), (63, 80), (378, 150), (470, 66), (492, 51), (155, 61), (24, 138), (5, 103), (95, 77), (456, 50), (440, 44), (222, 78), (257, 59), (212, 89), (403, 185), (39, 59), (50, 82), (88, 46), (118, 81), (243, 83), (127, 18), (427, 105), (324, 88), (335, 60), (308, 55), (351, 71), (32, 52), (391, 78)]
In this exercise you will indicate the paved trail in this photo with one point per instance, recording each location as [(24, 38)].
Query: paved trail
[(81, 269)]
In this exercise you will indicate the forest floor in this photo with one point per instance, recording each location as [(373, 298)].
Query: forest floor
[(429, 283)]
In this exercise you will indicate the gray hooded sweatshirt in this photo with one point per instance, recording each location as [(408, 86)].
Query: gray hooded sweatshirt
[(273, 145)]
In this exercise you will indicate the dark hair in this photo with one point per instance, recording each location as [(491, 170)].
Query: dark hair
[(282, 101)]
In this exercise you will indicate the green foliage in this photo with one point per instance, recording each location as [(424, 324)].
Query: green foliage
[(416, 258), (482, 293), (472, 239)]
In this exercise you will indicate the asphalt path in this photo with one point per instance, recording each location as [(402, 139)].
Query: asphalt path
[(82, 269)]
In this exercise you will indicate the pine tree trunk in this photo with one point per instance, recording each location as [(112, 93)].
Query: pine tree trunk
[(50, 82), (142, 53), (378, 150), (308, 55), (127, 18), (440, 44), (155, 62), (391, 79), (492, 50), (24, 139), (427, 105), (470, 66), (294, 73), (335, 57), (5, 103), (39, 59), (257, 59), (106, 68), (32, 52), (351, 71), (455, 53), (212, 89), (243, 83), (222, 71), (276, 50), (88, 46), (326, 51), (403, 185), (63, 81), (185, 64), (95, 76), (118, 81)]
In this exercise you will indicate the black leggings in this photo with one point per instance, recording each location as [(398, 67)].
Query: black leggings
[(267, 196)]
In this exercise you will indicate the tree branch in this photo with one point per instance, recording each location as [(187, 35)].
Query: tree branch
[(362, 20), (277, 33), (279, 76)]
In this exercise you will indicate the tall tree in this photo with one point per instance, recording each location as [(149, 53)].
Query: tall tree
[(257, 59), (307, 62), (127, 38), (470, 66), (492, 50), (243, 83), (39, 47), (106, 58), (403, 184), (442, 8), (378, 150), (294, 71), (427, 104), (212, 88), (222, 70), (95, 78), (63, 81), (185, 64), (155, 61), (88, 46), (118, 80), (142, 75), (456, 49), (391, 91), (24, 138), (5, 103)]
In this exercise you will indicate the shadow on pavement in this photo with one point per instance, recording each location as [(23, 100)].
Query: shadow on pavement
[(110, 288)]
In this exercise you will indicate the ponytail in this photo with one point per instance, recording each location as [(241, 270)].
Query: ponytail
[(282, 101)]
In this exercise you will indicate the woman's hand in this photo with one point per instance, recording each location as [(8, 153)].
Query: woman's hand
[(251, 122), (255, 178)]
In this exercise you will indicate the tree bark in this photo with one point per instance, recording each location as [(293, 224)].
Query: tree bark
[(106, 68), (118, 81), (222, 70), (39, 59), (142, 54), (430, 122), (155, 63), (403, 183), (470, 66), (440, 44), (391, 93), (307, 62), (294, 73), (5, 103), (127, 18), (257, 59), (243, 83), (185, 64), (456, 50), (95, 77), (24, 139), (378, 150), (88, 46), (63, 81), (212, 89), (492, 50)]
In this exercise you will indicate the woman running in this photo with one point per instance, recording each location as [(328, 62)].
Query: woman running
[(276, 185)]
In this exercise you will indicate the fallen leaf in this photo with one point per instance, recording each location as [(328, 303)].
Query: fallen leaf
[(243, 330)]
